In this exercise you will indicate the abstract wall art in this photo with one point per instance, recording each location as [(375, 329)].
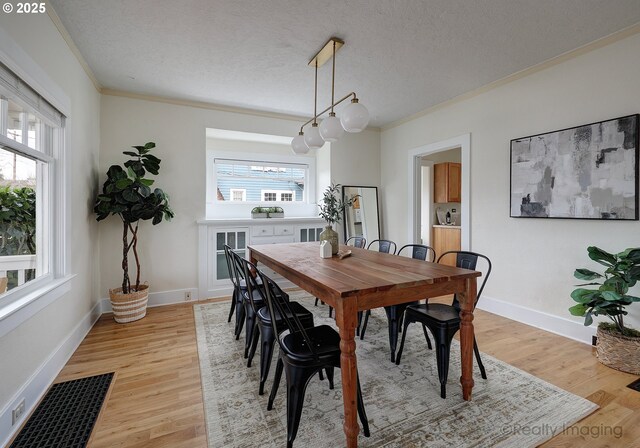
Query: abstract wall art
[(585, 172)]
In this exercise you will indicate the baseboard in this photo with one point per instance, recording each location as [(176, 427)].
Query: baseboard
[(224, 291), (35, 387), (161, 298), (545, 321)]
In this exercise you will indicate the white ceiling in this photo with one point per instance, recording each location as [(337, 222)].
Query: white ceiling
[(401, 56)]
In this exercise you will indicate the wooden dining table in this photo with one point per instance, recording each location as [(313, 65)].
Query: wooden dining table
[(366, 280)]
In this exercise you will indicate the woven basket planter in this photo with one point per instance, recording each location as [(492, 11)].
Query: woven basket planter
[(129, 307), (618, 352)]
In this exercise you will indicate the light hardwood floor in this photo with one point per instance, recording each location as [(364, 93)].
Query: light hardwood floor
[(157, 398)]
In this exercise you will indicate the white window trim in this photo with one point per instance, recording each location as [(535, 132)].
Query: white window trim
[(25, 301), (235, 190), (306, 207)]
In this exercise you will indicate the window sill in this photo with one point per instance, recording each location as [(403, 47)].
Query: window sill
[(18, 311)]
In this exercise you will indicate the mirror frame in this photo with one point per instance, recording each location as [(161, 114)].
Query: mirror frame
[(344, 211)]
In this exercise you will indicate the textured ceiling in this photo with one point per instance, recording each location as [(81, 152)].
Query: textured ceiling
[(401, 56)]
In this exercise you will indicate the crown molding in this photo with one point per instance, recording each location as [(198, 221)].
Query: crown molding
[(53, 15), (587, 48)]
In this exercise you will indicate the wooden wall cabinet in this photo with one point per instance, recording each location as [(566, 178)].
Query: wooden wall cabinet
[(447, 182), (444, 240)]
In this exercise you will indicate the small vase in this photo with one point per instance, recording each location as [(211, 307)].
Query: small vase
[(328, 234)]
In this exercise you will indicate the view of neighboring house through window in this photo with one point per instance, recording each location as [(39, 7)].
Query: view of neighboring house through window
[(30, 134), (254, 181)]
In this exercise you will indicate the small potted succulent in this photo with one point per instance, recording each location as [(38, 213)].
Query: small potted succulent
[(331, 210), (127, 194), (618, 345)]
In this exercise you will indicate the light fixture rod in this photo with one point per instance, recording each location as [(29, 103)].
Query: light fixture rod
[(315, 98), (352, 94), (333, 74), (326, 51)]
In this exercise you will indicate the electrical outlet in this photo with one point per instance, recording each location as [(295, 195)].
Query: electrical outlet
[(17, 412), (187, 296)]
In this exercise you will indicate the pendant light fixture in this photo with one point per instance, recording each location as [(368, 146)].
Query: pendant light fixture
[(331, 129), (354, 117), (312, 138)]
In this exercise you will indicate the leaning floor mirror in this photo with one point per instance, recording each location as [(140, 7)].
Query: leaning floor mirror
[(361, 218)]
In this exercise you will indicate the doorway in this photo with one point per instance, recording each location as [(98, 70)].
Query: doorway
[(420, 180)]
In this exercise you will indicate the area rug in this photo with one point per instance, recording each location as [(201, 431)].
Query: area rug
[(510, 409)]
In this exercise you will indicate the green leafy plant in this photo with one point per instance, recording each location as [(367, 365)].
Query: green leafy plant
[(127, 194), (332, 205), (611, 297), (17, 220)]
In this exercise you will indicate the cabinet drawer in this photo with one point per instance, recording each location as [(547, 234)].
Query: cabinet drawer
[(272, 239), (283, 230), (261, 230)]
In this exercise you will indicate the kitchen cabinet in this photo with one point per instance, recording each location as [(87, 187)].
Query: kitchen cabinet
[(447, 182), (446, 238)]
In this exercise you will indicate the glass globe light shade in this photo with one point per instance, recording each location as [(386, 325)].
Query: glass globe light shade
[(330, 129), (298, 145), (312, 138), (355, 117)]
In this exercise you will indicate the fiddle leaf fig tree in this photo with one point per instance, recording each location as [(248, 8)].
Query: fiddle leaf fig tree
[(612, 293), (127, 194)]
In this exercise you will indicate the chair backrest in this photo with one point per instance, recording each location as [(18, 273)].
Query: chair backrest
[(282, 308), (386, 246), (254, 291), (420, 252), (228, 254), (358, 241), (469, 260)]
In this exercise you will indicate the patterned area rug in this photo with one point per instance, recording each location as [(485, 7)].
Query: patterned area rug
[(509, 409)]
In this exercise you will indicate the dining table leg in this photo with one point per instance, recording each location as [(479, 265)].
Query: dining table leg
[(467, 301), (347, 319)]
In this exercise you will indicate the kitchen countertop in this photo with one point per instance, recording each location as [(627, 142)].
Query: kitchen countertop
[(447, 226)]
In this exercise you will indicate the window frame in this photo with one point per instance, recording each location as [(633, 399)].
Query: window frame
[(278, 194), (219, 209), (23, 302), (236, 190)]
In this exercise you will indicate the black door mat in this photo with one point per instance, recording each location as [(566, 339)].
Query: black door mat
[(66, 415), (635, 385)]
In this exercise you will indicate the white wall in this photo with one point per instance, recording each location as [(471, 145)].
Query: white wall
[(23, 350), (169, 250), (533, 259)]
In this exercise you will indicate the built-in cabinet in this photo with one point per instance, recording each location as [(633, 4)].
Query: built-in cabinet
[(446, 238), (213, 273), (447, 182)]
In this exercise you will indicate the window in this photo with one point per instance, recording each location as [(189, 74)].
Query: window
[(31, 136), (276, 195), (256, 181), (238, 195)]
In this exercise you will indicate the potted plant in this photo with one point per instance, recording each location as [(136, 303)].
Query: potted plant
[(127, 194), (331, 210), (618, 346)]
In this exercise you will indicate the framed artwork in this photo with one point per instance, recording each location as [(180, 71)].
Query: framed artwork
[(585, 172)]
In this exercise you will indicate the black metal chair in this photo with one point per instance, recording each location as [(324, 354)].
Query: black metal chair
[(395, 313), (303, 353), (236, 296), (444, 320), (264, 331), (385, 246), (357, 241)]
